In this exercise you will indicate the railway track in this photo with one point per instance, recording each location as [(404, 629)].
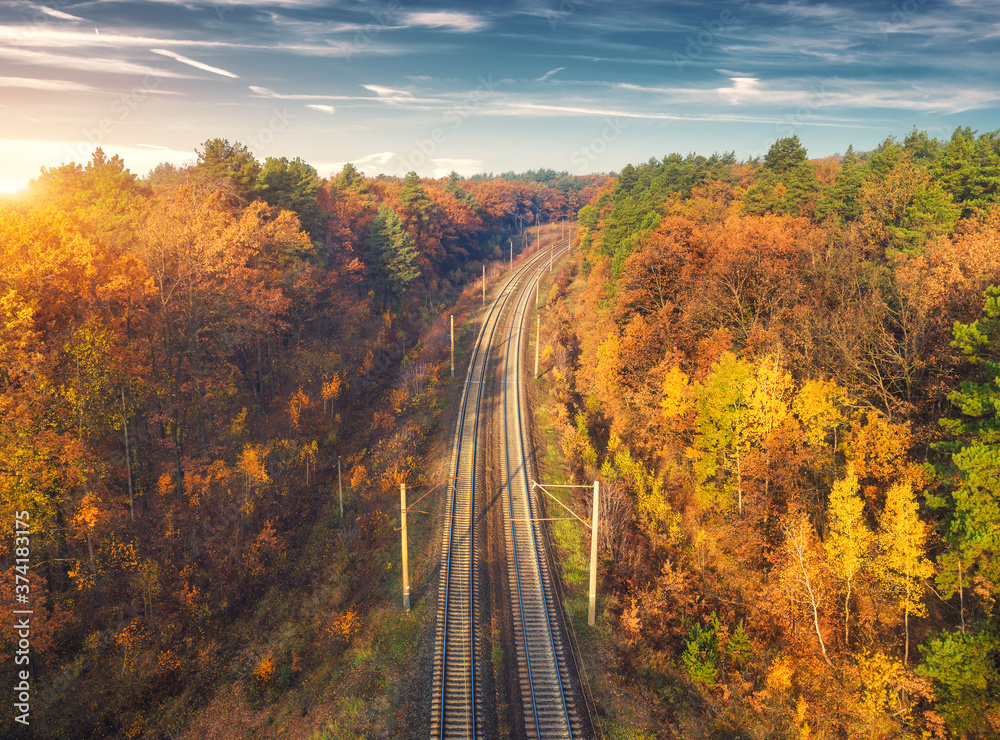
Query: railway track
[(457, 697), (543, 655)]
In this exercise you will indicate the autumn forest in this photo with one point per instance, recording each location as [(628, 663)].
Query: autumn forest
[(784, 372)]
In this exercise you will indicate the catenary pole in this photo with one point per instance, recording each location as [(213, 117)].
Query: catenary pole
[(592, 598), (406, 566), (538, 340)]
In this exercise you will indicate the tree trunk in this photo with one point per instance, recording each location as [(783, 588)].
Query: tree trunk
[(906, 629), (128, 459), (961, 597), (799, 542), (847, 615)]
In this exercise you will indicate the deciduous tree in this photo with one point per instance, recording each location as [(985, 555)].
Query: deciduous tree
[(902, 562)]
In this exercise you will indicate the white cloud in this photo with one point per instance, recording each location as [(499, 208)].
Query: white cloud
[(377, 158), (546, 110), (48, 85), (193, 63), (810, 98), (315, 43), (403, 98), (266, 92), (464, 167), (322, 108), (388, 92), (371, 164), (84, 64), (53, 13), (456, 21), (742, 89), (48, 37), (549, 74)]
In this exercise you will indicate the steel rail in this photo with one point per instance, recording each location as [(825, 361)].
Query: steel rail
[(455, 719), (550, 711)]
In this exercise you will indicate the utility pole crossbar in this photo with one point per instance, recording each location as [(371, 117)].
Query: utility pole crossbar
[(535, 484), (545, 519), (405, 509), (592, 596)]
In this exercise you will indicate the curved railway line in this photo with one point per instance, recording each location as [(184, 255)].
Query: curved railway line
[(459, 658), (457, 693), (543, 655)]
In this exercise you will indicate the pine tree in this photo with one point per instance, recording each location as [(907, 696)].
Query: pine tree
[(417, 206), (392, 254), (786, 183), (292, 186), (221, 161)]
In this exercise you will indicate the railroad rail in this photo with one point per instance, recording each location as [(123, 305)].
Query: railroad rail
[(457, 701), (543, 654)]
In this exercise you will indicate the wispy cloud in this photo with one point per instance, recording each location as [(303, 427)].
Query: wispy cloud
[(820, 96), (53, 13), (265, 92), (370, 164), (48, 36), (388, 92), (377, 158), (742, 89), (47, 85), (84, 64), (541, 109), (548, 74), (448, 19), (192, 63), (389, 74), (398, 97)]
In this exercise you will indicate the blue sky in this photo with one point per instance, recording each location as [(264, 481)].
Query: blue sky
[(399, 85)]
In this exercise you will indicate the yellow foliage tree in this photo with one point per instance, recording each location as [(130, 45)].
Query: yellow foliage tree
[(902, 561), (849, 537), (739, 405), (818, 406)]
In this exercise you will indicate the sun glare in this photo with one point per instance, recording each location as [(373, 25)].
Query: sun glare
[(10, 187)]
